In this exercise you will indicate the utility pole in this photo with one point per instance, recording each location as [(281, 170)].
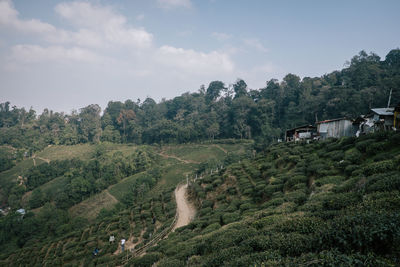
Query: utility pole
[(390, 96)]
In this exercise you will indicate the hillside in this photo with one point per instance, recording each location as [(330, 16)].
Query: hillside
[(67, 217), (70, 181), (331, 203)]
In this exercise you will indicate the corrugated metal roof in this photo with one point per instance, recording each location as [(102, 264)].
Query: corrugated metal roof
[(304, 126), (326, 121), (383, 111)]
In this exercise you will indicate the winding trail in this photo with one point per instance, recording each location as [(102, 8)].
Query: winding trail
[(221, 148), (185, 209), (162, 154), (185, 213)]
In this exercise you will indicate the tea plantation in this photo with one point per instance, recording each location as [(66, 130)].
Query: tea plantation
[(327, 203)]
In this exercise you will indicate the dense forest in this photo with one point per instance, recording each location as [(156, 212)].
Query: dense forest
[(214, 112), (85, 176)]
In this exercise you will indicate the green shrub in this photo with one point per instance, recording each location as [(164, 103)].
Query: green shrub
[(395, 139), (294, 159), (333, 146), (211, 228), (146, 261), (375, 148), (273, 202), (350, 169), (205, 211), (335, 155), (379, 167), (377, 232), (330, 180), (248, 191), (245, 206), (363, 145), (316, 167), (217, 182), (207, 204), (296, 180), (347, 140), (382, 156), (383, 182), (353, 155), (292, 244), (298, 196), (230, 217), (333, 258), (300, 186), (170, 262), (340, 201), (302, 225)]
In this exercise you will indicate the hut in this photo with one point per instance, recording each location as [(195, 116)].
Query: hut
[(305, 132), (335, 128), (383, 118)]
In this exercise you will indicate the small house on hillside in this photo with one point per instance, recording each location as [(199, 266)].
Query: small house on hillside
[(305, 132), (335, 128), (383, 118)]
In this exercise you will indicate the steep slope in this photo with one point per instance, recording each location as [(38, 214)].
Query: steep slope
[(327, 203), (138, 207)]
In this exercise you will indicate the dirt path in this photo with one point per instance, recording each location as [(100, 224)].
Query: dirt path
[(185, 214), (111, 196), (221, 148), (185, 209), (177, 158), (44, 159)]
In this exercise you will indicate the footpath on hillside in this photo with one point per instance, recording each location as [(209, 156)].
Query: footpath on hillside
[(185, 213), (184, 208)]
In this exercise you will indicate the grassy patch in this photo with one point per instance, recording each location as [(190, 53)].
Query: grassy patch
[(91, 207), (124, 186), (10, 176), (82, 151)]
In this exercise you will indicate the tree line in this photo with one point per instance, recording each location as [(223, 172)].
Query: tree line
[(215, 112)]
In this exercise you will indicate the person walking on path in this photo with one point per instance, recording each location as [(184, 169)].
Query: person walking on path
[(122, 244)]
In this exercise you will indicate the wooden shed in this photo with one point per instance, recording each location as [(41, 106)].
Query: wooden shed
[(335, 128)]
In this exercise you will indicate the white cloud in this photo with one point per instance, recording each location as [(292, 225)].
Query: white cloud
[(101, 54), (168, 4), (105, 22), (99, 27), (220, 36), (9, 19), (35, 53), (255, 43), (96, 26), (188, 60)]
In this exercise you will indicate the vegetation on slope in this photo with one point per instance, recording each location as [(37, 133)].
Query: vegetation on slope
[(54, 235), (327, 203), (334, 202)]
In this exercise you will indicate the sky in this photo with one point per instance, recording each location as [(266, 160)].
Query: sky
[(65, 55)]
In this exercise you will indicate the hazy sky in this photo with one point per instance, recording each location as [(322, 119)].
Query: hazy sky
[(65, 55)]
